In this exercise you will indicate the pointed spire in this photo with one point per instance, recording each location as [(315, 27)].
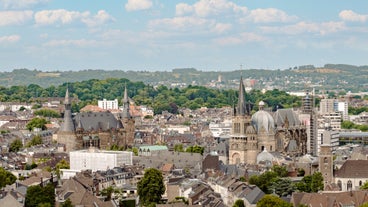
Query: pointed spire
[(68, 125), (67, 99), (80, 126), (125, 98), (241, 99), (126, 113)]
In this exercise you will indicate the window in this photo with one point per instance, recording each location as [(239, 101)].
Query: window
[(321, 138), (339, 184), (349, 185)]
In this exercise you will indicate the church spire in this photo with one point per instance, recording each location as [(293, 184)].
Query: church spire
[(68, 125), (126, 113), (67, 99), (241, 108)]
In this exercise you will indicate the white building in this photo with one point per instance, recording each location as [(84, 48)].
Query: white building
[(221, 129), (352, 175), (95, 160), (181, 129), (108, 104), (343, 108), (146, 111), (332, 119), (326, 136)]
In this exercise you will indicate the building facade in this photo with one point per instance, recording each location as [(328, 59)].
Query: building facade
[(108, 104), (93, 159), (98, 129), (281, 132)]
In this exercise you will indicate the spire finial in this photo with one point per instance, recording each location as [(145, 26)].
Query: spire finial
[(241, 98)]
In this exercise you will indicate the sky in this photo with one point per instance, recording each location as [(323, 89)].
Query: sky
[(160, 35)]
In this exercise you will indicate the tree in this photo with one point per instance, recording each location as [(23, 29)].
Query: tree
[(364, 205), (6, 178), (36, 123), (264, 181), (16, 145), (62, 164), (317, 182), (239, 203), (305, 184), (47, 113), (311, 183), (178, 148), (272, 201), (364, 186), (67, 203), (195, 149), (40, 196), (281, 171), (36, 140), (151, 187), (108, 192), (283, 187)]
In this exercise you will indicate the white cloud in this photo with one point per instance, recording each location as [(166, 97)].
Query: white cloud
[(79, 43), (47, 17), (62, 16), (20, 4), (348, 15), (134, 5), (205, 8), (269, 15), (182, 9), (221, 27), (241, 38), (15, 17), (100, 18), (9, 39), (180, 23), (307, 27)]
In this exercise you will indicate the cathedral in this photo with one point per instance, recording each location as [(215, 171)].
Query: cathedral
[(98, 129), (280, 132)]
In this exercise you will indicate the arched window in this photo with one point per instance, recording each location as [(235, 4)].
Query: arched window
[(360, 183), (325, 160), (350, 185), (339, 184)]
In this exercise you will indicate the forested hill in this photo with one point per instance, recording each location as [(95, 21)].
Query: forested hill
[(330, 76)]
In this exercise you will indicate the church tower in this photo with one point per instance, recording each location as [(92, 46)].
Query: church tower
[(241, 145), (68, 125), (128, 122), (66, 134), (326, 164)]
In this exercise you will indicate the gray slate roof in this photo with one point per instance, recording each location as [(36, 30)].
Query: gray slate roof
[(281, 114), (97, 120)]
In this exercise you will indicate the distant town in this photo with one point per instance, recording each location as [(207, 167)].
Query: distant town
[(115, 151)]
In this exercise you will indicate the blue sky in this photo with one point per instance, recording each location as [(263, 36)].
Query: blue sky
[(216, 35)]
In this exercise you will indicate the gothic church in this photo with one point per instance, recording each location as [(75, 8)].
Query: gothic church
[(281, 132)]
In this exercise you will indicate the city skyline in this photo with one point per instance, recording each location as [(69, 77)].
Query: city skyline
[(152, 35)]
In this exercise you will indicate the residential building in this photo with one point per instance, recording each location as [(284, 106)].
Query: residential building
[(108, 104)]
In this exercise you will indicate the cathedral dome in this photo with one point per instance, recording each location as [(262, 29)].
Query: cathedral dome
[(263, 120)]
